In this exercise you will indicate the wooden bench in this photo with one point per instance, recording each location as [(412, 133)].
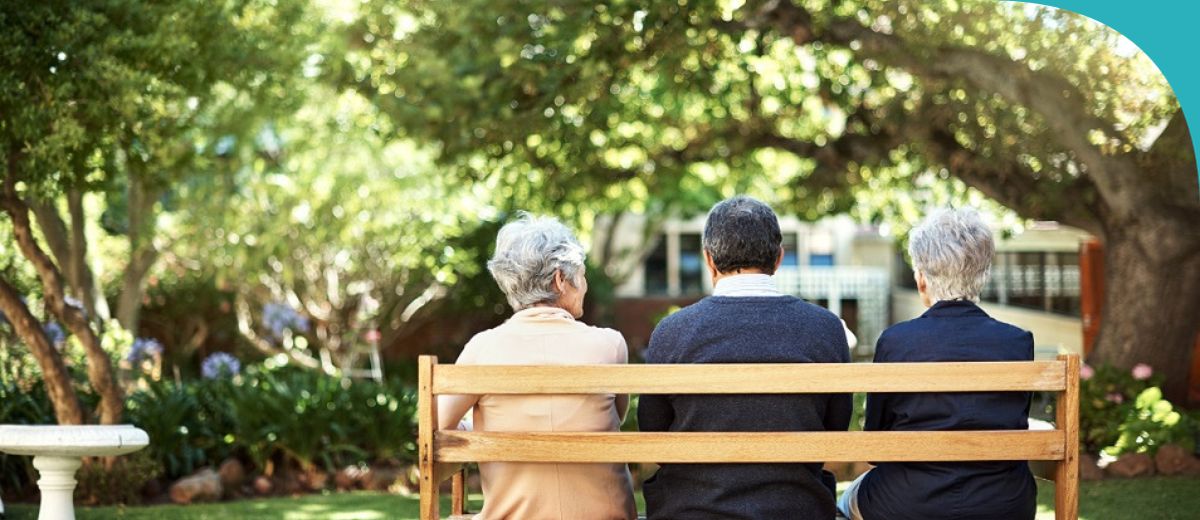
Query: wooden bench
[(445, 446)]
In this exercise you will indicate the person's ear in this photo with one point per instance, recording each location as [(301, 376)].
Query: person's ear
[(779, 260), (712, 267), (922, 284), (558, 281)]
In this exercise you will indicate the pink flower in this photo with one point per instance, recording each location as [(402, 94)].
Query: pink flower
[(1115, 397), (1086, 371), (1142, 371), (373, 335)]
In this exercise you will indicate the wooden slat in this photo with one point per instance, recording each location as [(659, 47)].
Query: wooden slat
[(1066, 478), (683, 447), (426, 424), (458, 493), (751, 378)]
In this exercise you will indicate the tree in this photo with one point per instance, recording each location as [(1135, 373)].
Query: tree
[(822, 103), (95, 95), (325, 230)]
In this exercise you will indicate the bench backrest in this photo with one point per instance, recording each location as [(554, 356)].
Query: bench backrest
[(444, 446)]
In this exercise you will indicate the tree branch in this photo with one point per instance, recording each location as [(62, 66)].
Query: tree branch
[(1060, 104), (87, 291), (58, 382), (99, 366)]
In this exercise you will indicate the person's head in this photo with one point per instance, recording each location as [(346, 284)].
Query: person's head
[(538, 261), (951, 252), (742, 235)]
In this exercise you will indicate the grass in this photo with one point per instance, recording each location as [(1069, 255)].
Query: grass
[(1160, 498)]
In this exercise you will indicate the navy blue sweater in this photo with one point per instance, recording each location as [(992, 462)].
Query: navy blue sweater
[(950, 331), (721, 329)]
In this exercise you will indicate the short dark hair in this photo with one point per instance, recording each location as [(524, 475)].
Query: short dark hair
[(742, 233)]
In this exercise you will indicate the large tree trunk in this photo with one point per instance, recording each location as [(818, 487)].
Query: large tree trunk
[(54, 371), (1151, 299)]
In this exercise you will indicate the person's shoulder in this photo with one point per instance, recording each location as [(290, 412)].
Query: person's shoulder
[(484, 337), (1017, 341), (897, 339), (1005, 329), (684, 314), (811, 312), (482, 341), (905, 328), (610, 336)]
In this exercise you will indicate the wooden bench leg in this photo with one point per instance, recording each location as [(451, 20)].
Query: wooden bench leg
[(458, 492), (426, 425), (1066, 477)]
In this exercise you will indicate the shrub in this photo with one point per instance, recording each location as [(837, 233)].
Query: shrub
[(120, 483), (187, 425), (315, 419), (1123, 411)]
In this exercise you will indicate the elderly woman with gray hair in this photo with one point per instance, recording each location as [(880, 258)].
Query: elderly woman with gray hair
[(951, 254), (539, 266)]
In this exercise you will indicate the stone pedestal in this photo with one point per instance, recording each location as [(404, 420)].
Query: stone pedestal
[(57, 452), (57, 484)]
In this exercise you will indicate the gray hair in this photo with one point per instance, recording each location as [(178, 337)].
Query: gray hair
[(953, 248), (742, 232), (529, 251)]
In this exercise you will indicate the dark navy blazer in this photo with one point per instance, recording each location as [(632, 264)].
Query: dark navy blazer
[(950, 331)]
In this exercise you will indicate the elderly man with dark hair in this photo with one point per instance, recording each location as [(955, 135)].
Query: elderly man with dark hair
[(746, 320), (951, 254)]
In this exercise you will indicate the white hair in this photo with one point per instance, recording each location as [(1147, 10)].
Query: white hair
[(953, 249), (529, 251)]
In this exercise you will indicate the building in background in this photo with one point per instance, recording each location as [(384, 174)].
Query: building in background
[(853, 270)]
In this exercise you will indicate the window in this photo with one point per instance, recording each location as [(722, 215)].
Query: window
[(1045, 281), (820, 248), (691, 264), (820, 260), (656, 268)]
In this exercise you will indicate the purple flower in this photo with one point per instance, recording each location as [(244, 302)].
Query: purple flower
[(144, 348), (1114, 397), (1086, 371), (55, 333), (1142, 371), (220, 365), (279, 317)]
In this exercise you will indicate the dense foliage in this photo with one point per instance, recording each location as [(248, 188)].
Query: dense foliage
[(268, 416), (876, 107)]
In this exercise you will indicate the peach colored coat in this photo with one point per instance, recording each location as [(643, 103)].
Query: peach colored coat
[(535, 491)]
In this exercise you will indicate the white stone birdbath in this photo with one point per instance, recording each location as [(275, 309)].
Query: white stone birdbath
[(57, 452)]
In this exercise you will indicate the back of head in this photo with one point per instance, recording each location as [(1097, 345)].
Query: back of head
[(529, 250), (742, 233), (953, 249)]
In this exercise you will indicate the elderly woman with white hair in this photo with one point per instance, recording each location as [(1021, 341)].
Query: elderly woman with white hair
[(539, 265), (951, 254)]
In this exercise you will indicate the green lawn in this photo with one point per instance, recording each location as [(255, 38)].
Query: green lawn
[(1158, 498)]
